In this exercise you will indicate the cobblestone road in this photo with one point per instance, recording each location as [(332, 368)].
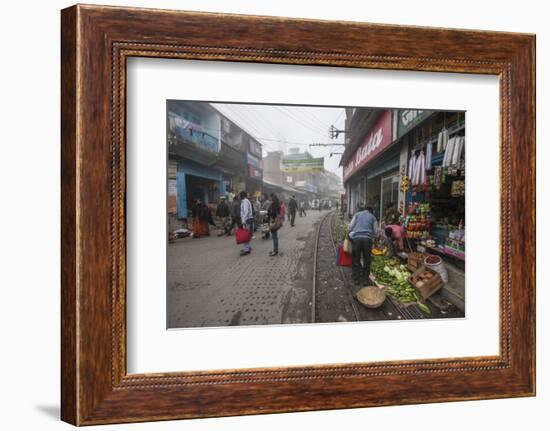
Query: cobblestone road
[(209, 284)]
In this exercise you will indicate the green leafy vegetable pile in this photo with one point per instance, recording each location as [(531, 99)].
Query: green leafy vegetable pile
[(394, 276)]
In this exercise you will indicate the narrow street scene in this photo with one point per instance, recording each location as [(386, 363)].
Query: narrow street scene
[(283, 214), (210, 284)]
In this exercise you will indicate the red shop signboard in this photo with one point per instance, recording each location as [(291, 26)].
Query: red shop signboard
[(376, 141)]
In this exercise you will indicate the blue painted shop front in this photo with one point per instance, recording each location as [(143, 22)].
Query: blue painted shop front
[(197, 181)]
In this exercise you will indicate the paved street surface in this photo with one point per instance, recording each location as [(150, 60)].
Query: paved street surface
[(209, 284)]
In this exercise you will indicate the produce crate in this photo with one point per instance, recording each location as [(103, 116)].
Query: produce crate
[(430, 286), (415, 260)]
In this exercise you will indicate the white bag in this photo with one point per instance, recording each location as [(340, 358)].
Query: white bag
[(347, 246)]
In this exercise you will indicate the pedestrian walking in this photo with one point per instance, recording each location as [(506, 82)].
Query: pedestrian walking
[(257, 206), (362, 231), (275, 223), (224, 214), (266, 203), (201, 215), (292, 208), (247, 221), (302, 209), (235, 214), (283, 211)]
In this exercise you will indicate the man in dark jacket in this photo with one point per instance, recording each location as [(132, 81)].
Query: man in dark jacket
[(292, 208), (225, 216), (235, 213)]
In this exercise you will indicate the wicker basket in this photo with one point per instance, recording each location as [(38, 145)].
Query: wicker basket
[(371, 296)]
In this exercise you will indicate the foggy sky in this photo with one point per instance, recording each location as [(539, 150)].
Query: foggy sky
[(282, 127)]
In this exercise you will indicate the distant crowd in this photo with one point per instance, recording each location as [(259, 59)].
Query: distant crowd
[(243, 213)]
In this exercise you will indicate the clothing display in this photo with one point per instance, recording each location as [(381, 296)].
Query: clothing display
[(429, 156), (453, 152), (442, 140), (417, 169)]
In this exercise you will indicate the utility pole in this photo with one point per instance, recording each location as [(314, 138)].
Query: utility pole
[(333, 132)]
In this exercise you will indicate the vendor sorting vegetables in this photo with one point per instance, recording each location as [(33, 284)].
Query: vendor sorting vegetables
[(362, 231)]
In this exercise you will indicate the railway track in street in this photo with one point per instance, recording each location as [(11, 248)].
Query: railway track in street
[(337, 285)]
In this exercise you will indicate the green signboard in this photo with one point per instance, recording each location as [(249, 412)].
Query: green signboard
[(302, 165), (410, 118)]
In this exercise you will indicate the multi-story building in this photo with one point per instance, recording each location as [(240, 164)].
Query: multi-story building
[(208, 156)]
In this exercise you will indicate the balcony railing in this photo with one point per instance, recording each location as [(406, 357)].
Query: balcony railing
[(202, 139)]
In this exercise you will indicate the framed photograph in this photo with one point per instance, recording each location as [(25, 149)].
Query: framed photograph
[(264, 214)]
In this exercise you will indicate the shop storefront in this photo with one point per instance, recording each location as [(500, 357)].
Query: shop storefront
[(194, 181), (371, 175), (232, 161), (435, 213)]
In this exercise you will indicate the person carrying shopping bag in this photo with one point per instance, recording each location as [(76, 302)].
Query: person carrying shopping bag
[(247, 221), (275, 223)]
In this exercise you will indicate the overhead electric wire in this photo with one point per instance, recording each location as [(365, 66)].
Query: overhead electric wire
[(250, 126), (301, 115), (296, 119)]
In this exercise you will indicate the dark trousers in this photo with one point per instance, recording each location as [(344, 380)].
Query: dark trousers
[(361, 247), (275, 237), (292, 217), (235, 222)]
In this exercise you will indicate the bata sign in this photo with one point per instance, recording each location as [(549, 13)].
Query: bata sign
[(375, 142)]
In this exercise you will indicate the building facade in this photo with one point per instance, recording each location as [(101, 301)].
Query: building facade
[(208, 156)]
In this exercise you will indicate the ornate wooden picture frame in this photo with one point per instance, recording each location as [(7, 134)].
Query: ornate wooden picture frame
[(96, 42)]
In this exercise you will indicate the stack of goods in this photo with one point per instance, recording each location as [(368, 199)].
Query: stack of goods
[(418, 220), (415, 260), (418, 226), (454, 243), (426, 281), (457, 188), (419, 208)]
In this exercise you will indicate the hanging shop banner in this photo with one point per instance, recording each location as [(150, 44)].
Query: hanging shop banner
[(255, 147), (376, 141), (254, 161), (254, 172), (408, 119), (303, 165), (172, 197)]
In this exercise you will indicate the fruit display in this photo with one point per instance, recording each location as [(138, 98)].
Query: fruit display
[(405, 183), (379, 251)]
